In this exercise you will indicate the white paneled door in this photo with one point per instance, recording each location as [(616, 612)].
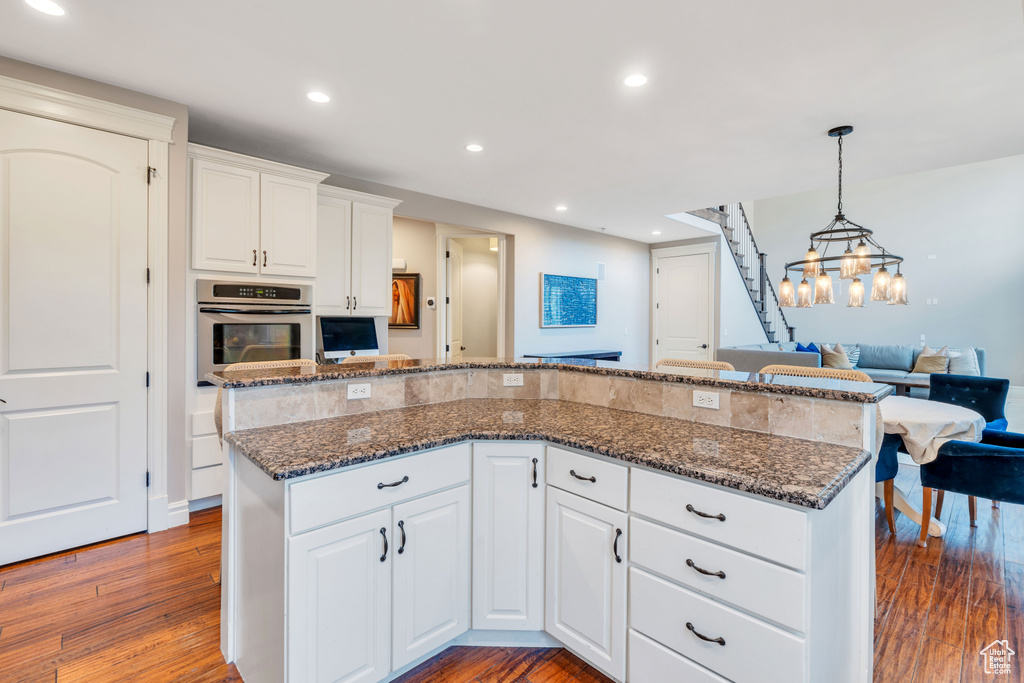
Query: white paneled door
[(73, 230), (456, 343), (683, 300)]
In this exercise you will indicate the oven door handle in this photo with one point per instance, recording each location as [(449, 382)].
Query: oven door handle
[(242, 311)]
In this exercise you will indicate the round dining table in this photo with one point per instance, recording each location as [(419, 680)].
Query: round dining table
[(924, 426)]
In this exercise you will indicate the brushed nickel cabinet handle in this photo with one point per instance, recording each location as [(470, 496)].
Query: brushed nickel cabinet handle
[(535, 473), (355, 303)]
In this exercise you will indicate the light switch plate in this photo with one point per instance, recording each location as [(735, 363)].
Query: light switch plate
[(512, 379), (358, 391), (706, 399)]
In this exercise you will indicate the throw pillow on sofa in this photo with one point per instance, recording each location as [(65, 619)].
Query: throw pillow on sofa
[(964, 362), (853, 353), (810, 348), (930, 360), (835, 357)]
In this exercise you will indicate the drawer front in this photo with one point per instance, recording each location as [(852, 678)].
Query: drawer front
[(754, 585), (760, 527), (611, 485), (344, 494), (651, 662), (753, 650)]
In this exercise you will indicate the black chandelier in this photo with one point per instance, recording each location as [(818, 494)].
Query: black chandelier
[(851, 264)]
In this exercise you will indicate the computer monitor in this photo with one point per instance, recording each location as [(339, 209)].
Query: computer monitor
[(341, 336)]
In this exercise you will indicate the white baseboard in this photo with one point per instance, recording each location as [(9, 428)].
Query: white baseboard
[(204, 503), (156, 514), (177, 513)]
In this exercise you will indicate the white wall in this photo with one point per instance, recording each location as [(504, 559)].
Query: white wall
[(738, 322), (415, 242), (970, 218), (541, 246), (479, 297)]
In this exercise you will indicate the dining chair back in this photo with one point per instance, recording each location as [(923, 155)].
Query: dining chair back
[(983, 395), (700, 364), (827, 373), (375, 359)]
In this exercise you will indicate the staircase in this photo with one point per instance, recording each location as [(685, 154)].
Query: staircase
[(750, 261)]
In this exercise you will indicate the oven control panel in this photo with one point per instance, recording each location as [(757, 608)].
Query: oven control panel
[(253, 291)]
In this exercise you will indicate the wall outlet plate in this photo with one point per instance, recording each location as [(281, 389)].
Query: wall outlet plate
[(358, 391), (706, 399), (512, 379)]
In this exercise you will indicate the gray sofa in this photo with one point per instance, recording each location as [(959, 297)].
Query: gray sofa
[(880, 362)]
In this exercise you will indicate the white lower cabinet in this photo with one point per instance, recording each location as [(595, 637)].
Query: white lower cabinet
[(339, 602), (430, 555), (508, 536), (586, 580)]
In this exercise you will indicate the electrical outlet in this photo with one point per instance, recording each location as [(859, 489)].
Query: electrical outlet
[(706, 399), (512, 379), (358, 391)]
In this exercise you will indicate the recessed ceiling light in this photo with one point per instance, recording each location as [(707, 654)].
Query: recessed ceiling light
[(474, 148), (319, 97), (46, 7), (636, 80), (561, 207), (656, 232)]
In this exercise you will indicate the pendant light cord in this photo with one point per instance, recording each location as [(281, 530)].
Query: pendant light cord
[(839, 210)]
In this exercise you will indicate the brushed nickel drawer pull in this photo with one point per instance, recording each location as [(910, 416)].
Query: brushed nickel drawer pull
[(720, 517), (401, 481), (590, 479), (535, 473), (690, 563), (720, 641)]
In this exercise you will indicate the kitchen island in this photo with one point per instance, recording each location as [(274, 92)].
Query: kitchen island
[(590, 507)]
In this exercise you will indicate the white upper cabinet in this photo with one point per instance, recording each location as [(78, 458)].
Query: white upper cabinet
[(354, 253), (252, 216)]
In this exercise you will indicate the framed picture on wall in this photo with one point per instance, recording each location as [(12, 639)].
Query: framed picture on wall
[(567, 301), (405, 301)]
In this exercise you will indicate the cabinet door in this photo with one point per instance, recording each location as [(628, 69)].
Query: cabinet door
[(431, 573), (371, 260), (225, 217), (334, 254), (586, 585), (339, 599), (508, 536), (287, 226)]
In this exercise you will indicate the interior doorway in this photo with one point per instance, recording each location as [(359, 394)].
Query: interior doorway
[(472, 297), (683, 310)]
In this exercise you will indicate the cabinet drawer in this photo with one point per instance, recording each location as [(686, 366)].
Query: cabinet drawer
[(765, 529), (753, 650), (751, 584), (650, 662), (338, 496), (611, 480)]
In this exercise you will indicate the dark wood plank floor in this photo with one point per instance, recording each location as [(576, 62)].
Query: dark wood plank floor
[(147, 608), (939, 606)]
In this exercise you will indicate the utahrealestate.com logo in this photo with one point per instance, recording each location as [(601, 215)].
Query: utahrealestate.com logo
[(998, 656)]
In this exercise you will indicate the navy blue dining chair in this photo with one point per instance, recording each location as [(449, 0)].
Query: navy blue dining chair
[(984, 395)]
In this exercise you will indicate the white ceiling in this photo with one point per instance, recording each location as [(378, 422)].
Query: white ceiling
[(740, 94)]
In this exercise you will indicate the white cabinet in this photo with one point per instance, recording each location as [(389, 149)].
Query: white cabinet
[(430, 603), (586, 580), (252, 216), (339, 602), (354, 257), (508, 536)]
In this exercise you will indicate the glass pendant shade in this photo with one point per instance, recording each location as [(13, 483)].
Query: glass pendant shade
[(787, 298), (823, 289), (848, 265), (811, 269), (898, 290), (863, 263), (804, 294), (881, 285), (856, 293)]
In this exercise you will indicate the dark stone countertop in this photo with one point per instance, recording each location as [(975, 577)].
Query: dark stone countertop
[(804, 473), (811, 387)]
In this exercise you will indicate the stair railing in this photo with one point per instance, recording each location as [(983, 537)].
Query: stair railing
[(751, 263)]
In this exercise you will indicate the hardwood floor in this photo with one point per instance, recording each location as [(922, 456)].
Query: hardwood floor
[(146, 608), (939, 606)]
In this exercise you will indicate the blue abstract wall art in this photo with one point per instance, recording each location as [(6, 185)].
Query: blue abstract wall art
[(568, 301)]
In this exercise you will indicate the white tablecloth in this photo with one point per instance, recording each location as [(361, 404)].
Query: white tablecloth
[(926, 425)]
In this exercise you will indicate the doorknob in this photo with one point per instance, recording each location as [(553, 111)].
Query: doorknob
[(462, 348), (703, 346), (2, 401)]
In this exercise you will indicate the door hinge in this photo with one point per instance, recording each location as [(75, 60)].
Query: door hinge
[(447, 348), (147, 379), (147, 276), (657, 305), (150, 173), (657, 271), (447, 300), (147, 479), (447, 254), (656, 342)]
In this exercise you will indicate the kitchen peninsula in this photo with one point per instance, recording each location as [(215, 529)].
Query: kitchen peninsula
[(593, 507)]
